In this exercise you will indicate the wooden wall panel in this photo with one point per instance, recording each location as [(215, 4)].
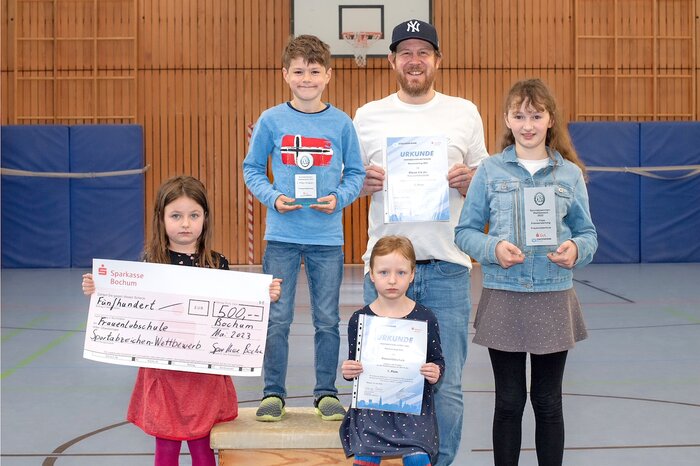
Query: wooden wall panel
[(639, 53), (206, 69), (71, 61)]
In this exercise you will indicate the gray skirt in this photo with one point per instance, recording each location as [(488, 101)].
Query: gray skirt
[(539, 323)]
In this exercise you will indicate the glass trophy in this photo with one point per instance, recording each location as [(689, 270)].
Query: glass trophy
[(540, 217), (305, 160)]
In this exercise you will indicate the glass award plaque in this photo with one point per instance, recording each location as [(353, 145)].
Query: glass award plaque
[(305, 160)]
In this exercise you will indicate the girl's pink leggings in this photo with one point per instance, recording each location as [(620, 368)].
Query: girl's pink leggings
[(168, 452)]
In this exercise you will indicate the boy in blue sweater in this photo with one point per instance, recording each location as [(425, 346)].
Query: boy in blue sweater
[(317, 171)]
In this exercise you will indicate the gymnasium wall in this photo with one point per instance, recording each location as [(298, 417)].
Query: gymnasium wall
[(195, 73)]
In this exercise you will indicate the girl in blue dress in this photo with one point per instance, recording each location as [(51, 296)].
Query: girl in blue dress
[(370, 434)]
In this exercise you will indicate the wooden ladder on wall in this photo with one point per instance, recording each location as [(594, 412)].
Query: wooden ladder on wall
[(635, 58), (75, 61)]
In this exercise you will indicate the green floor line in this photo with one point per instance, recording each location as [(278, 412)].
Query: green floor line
[(28, 360), (31, 325), (682, 315)]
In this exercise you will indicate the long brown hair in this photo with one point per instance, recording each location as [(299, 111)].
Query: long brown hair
[(171, 190), (536, 94)]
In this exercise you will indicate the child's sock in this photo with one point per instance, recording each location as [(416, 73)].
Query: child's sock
[(416, 459), (167, 452), (366, 460), (202, 454)]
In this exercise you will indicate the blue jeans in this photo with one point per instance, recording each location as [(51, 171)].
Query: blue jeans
[(444, 288), (324, 271)]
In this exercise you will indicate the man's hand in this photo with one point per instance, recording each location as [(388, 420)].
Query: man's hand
[(459, 177), (374, 180)]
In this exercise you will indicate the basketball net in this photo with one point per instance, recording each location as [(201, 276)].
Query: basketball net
[(360, 42)]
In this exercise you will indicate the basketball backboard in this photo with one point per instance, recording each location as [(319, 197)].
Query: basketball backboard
[(329, 19)]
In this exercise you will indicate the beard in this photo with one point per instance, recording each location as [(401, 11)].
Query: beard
[(416, 87)]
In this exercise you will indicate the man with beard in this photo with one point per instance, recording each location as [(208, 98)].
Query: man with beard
[(442, 272)]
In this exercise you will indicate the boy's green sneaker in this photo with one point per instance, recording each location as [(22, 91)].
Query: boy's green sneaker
[(329, 408), (271, 409)]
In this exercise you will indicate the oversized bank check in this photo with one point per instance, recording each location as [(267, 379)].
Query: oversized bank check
[(181, 318)]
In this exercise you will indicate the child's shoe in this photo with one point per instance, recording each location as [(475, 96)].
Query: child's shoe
[(271, 409), (329, 408)]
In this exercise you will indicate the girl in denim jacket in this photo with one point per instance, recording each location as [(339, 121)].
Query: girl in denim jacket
[(533, 198)]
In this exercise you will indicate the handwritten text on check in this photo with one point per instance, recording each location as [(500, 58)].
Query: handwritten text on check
[(180, 318)]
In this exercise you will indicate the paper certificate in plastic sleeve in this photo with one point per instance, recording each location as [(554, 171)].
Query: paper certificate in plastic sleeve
[(180, 318), (416, 187), (392, 352)]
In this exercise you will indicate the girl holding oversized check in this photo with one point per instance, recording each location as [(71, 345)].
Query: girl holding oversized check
[(395, 358), (172, 405)]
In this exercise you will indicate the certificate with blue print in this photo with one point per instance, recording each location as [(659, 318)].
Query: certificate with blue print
[(392, 352), (416, 187), (171, 317)]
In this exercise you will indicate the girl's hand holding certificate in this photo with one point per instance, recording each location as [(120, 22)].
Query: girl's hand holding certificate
[(351, 369), (431, 372)]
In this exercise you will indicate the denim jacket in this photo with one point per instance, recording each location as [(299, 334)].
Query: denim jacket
[(495, 197)]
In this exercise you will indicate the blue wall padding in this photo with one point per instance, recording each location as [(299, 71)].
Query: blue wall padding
[(614, 197), (670, 209), (66, 222), (35, 211), (107, 213)]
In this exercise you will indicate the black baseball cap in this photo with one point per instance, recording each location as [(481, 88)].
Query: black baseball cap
[(414, 29)]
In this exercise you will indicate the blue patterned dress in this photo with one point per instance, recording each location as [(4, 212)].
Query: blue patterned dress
[(370, 432)]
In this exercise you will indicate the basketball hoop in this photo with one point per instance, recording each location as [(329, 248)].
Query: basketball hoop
[(360, 42)]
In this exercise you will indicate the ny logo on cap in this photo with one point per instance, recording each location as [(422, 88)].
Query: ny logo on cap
[(413, 26)]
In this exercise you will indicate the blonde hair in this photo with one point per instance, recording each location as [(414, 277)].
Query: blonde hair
[(388, 244), (157, 247), (536, 94)]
